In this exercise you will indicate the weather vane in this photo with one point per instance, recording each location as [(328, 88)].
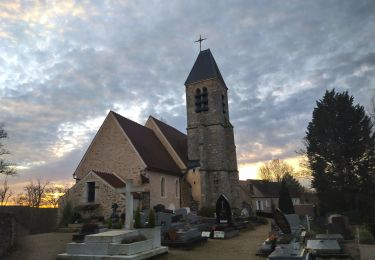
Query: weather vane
[(200, 40)]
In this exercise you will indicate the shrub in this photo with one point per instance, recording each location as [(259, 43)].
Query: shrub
[(67, 214), (206, 212), (137, 219), (109, 223), (151, 218), (117, 225), (365, 237)]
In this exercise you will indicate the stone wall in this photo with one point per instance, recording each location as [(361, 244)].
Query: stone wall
[(211, 141), (105, 195), (35, 220), (111, 151), (171, 200), (7, 232)]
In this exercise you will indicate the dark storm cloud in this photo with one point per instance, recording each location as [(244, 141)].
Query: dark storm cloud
[(63, 67)]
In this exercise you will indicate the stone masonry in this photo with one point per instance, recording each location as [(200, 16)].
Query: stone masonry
[(211, 141)]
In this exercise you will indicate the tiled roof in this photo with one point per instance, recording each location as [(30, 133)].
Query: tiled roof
[(204, 68), (153, 153), (111, 179), (269, 189), (176, 139)]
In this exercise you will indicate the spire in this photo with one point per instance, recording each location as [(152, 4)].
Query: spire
[(204, 68)]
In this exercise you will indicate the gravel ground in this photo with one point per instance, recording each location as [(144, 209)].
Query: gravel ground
[(47, 246)]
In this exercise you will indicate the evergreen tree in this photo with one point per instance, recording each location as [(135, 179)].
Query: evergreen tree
[(292, 182), (340, 150), (285, 201)]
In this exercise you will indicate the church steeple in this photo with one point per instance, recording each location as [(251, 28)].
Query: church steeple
[(204, 68), (210, 133)]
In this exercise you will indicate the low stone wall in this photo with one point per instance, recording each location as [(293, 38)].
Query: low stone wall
[(7, 232), (35, 220)]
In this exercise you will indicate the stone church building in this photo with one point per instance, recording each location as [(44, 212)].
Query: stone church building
[(174, 169)]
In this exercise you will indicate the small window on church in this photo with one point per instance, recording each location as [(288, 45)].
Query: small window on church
[(204, 100), (216, 183), (90, 191), (177, 188), (223, 102), (162, 187), (198, 102)]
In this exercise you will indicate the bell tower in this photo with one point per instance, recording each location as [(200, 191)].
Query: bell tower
[(211, 145)]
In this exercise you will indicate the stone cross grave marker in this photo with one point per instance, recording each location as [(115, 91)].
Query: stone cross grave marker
[(129, 200)]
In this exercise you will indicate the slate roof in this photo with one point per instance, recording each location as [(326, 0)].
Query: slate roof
[(269, 189), (204, 68), (111, 179), (176, 139), (151, 150)]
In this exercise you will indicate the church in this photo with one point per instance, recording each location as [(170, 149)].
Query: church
[(174, 169)]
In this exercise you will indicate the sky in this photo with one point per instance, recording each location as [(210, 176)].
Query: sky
[(65, 64)]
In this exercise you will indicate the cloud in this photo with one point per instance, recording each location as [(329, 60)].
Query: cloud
[(66, 64)]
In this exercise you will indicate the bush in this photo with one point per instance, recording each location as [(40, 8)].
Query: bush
[(117, 225), (151, 218), (206, 212), (67, 215), (137, 219), (365, 237), (109, 223)]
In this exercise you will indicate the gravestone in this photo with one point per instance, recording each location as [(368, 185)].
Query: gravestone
[(339, 224), (182, 211), (114, 215), (282, 222), (164, 219), (223, 211), (224, 227)]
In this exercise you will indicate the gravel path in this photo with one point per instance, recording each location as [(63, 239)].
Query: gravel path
[(47, 246)]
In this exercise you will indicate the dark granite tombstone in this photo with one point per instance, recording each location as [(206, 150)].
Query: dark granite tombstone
[(87, 229), (338, 224), (224, 227), (223, 211), (114, 216), (282, 222)]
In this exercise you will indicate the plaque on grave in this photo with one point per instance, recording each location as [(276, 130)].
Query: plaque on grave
[(223, 211), (282, 222)]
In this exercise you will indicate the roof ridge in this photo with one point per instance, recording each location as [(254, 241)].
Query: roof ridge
[(175, 129)]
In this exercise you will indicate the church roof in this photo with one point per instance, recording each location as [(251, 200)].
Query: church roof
[(175, 138), (111, 179), (148, 146), (204, 68), (268, 189)]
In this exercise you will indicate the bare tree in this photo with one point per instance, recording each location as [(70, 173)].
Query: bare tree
[(5, 192), (6, 167), (275, 170), (53, 193), (35, 192)]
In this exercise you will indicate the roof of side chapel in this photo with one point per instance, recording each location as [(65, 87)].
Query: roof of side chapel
[(111, 179), (148, 146)]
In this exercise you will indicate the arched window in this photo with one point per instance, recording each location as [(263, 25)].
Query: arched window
[(198, 102), (177, 188), (162, 187), (204, 100)]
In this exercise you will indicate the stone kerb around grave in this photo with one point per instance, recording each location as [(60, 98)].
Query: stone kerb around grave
[(109, 244)]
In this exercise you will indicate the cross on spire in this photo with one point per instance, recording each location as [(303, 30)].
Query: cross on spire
[(200, 40)]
